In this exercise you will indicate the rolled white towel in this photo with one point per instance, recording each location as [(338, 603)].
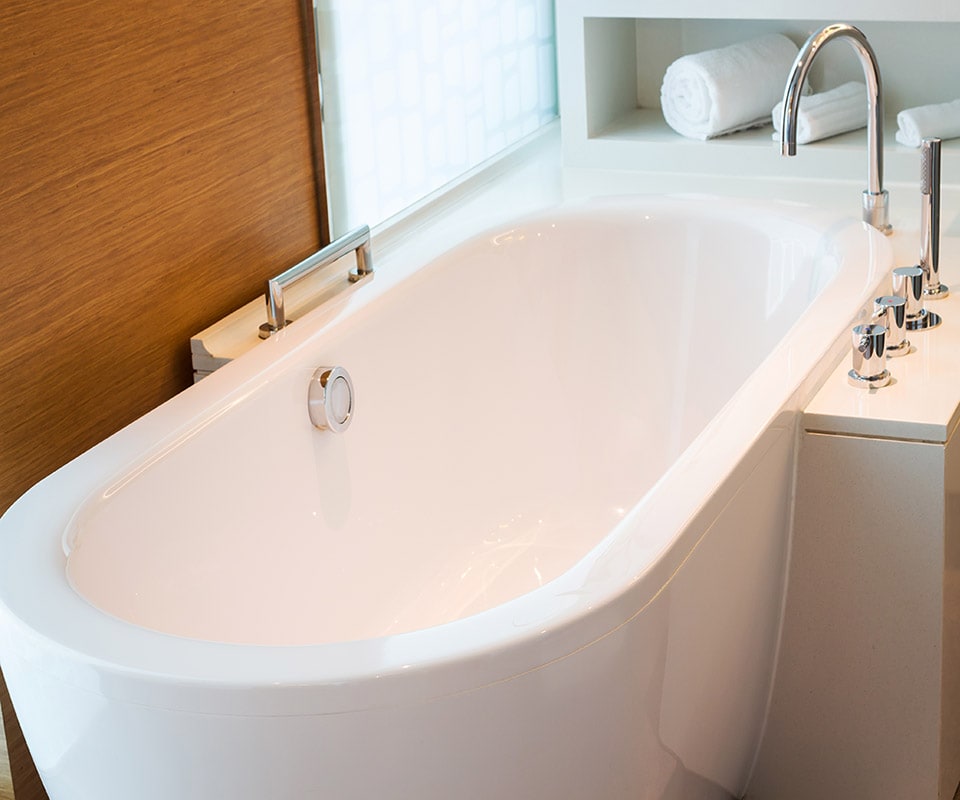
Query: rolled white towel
[(939, 119), (728, 89), (828, 113)]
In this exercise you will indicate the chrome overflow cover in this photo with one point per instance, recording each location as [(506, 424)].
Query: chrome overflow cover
[(330, 399)]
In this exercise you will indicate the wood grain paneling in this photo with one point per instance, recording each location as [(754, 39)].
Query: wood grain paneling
[(155, 169), (17, 759), (6, 779)]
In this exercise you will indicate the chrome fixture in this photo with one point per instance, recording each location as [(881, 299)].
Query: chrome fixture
[(869, 357), (875, 198), (357, 240), (930, 220), (891, 312), (330, 399), (908, 284)]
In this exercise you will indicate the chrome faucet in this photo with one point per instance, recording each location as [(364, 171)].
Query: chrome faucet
[(875, 198)]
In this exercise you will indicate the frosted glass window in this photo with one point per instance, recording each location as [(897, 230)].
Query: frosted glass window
[(417, 92)]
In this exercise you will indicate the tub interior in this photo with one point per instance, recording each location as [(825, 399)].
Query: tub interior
[(515, 399)]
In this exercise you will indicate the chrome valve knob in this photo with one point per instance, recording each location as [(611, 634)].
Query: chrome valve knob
[(869, 357), (891, 312), (908, 283)]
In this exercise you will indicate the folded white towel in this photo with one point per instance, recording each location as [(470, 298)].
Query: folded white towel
[(728, 89), (828, 113), (939, 119)]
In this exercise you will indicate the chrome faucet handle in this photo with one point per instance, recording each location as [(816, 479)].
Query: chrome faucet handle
[(869, 357), (891, 312), (908, 284), (930, 219)]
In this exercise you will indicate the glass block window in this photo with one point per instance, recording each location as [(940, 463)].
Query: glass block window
[(418, 92)]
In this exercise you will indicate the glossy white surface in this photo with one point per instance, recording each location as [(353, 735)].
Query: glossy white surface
[(504, 426), (552, 539)]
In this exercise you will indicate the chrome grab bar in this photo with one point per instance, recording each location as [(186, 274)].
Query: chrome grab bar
[(357, 240)]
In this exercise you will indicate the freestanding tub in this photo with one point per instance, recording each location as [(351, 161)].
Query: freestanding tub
[(546, 560)]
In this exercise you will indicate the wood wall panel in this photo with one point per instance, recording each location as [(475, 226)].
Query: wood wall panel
[(18, 758), (6, 779), (155, 169)]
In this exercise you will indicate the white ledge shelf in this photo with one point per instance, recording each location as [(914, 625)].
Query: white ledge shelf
[(613, 54), (835, 10), (642, 140)]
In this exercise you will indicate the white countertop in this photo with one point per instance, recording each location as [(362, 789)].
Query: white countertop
[(922, 401)]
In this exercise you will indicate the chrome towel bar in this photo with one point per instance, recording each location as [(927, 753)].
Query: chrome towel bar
[(357, 240)]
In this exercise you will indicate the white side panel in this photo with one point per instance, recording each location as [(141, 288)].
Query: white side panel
[(950, 674), (856, 704)]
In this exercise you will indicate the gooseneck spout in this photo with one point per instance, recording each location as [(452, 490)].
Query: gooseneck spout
[(875, 198)]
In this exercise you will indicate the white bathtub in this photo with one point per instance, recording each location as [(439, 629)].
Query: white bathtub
[(546, 560)]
